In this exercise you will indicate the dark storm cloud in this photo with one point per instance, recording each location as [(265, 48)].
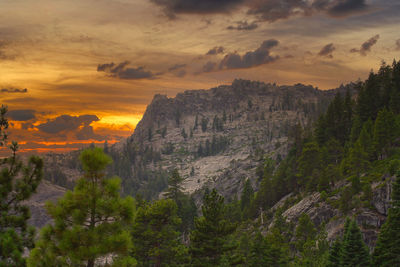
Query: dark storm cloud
[(347, 7), (251, 59), (173, 7), (121, 71), (366, 46), (14, 90), (66, 123), (243, 26), (327, 50), (215, 51), (398, 44), (21, 114)]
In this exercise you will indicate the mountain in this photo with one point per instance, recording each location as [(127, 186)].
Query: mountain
[(215, 137)]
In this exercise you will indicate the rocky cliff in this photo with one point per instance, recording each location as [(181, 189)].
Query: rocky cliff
[(215, 137)]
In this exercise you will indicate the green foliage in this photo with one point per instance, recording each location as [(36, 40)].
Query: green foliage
[(247, 196), (384, 132), (155, 236), (354, 252), (90, 223), (305, 231), (387, 250), (211, 232), (174, 186), (18, 181)]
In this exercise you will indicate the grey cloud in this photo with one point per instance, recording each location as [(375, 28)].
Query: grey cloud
[(176, 67), (21, 114), (347, 7), (215, 51), (121, 71), (366, 46), (265, 10), (251, 59), (244, 26), (66, 123), (273, 10), (398, 44), (178, 70), (87, 133), (209, 66), (173, 7), (327, 50), (13, 90)]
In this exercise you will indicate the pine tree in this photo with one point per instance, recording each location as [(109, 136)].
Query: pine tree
[(387, 250), (155, 236), (174, 190), (17, 183), (305, 231), (384, 132), (258, 252), (90, 223), (211, 232), (354, 251), (247, 195), (335, 254)]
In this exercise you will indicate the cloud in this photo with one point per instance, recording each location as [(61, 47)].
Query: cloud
[(14, 90), (215, 51), (366, 46), (273, 10), (87, 133), (398, 45), (327, 50), (173, 7), (243, 26), (177, 66), (209, 66), (121, 71), (178, 70), (252, 58), (21, 114), (66, 123), (347, 7)]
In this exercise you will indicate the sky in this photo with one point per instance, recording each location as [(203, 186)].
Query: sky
[(75, 72)]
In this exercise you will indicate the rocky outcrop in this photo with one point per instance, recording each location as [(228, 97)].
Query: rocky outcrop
[(321, 212), (46, 191), (252, 118)]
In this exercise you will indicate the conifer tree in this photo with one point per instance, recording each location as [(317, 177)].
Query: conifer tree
[(258, 252), (384, 132), (155, 236), (387, 250), (91, 222), (211, 232), (247, 195), (354, 251), (174, 190), (17, 183), (334, 254)]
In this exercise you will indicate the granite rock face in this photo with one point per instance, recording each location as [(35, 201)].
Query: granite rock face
[(254, 119)]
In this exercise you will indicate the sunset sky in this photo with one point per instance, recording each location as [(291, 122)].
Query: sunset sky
[(80, 71)]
